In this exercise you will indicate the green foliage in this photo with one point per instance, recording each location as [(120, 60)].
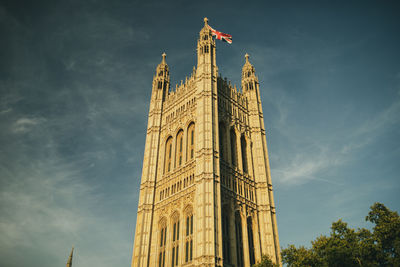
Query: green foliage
[(265, 262), (386, 233), (300, 257), (349, 247)]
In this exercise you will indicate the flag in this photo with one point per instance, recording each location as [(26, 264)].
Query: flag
[(221, 36)]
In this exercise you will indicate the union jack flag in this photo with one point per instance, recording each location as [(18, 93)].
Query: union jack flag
[(221, 36)]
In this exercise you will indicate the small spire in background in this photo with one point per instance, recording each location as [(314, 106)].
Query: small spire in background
[(69, 263)]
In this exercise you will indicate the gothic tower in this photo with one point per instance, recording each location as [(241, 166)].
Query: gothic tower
[(206, 194)]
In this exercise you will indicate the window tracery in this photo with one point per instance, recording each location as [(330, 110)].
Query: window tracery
[(175, 240), (233, 147), (168, 155), (222, 141), (179, 148), (189, 236), (244, 153), (162, 243), (239, 238), (190, 141)]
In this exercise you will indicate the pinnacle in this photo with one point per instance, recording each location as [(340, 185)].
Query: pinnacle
[(205, 21), (247, 57), (163, 57)]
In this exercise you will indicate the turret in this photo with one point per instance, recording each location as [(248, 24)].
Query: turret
[(206, 49), (249, 78), (161, 80)]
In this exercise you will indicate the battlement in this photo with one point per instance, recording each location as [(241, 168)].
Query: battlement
[(181, 91)]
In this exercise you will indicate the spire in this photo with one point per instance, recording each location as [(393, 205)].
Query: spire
[(249, 79), (69, 263), (205, 46), (161, 79), (163, 58), (247, 63), (162, 68), (163, 62), (248, 69)]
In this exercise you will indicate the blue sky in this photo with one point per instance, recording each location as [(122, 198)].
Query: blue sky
[(75, 84)]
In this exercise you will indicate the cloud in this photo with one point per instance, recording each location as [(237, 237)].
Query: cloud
[(23, 125), (369, 130), (307, 166), (39, 202), (307, 160)]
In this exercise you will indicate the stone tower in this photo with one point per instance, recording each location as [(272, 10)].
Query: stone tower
[(206, 194)]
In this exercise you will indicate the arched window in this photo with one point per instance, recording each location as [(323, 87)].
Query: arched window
[(163, 240), (239, 239), (168, 155), (233, 148), (222, 141), (225, 235), (189, 237), (244, 153), (250, 238), (190, 141), (179, 149), (175, 240)]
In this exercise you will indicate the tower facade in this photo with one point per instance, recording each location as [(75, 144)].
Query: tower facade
[(206, 195)]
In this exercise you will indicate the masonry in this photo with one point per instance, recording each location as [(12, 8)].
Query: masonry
[(206, 195)]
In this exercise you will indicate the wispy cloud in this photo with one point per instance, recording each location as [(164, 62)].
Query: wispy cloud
[(305, 158), (25, 124), (306, 166)]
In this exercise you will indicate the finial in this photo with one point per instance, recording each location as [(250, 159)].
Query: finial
[(163, 57), (69, 263), (205, 21), (247, 57)]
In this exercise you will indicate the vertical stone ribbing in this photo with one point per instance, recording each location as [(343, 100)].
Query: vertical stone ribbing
[(201, 185)]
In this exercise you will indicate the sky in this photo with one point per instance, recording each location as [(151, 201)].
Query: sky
[(75, 85)]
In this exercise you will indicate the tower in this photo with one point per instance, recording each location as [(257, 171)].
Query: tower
[(206, 195)]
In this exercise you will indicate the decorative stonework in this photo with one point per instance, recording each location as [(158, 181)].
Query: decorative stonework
[(206, 197)]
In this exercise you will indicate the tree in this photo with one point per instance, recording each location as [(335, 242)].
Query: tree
[(348, 247), (300, 257), (386, 234), (265, 262)]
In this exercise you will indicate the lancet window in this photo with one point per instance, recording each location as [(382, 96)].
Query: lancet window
[(190, 141), (168, 155), (250, 239), (189, 237), (163, 237), (222, 141), (175, 240), (225, 235), (244, 153), (233, 147), (179, 148), (239, 239)]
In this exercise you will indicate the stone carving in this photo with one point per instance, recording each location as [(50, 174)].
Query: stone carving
[(177, 191)]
